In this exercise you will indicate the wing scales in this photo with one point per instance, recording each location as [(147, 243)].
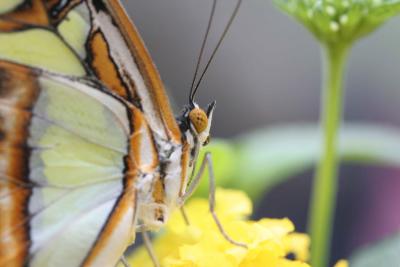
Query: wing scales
[(72, 135), (71, 140), (100, 35)]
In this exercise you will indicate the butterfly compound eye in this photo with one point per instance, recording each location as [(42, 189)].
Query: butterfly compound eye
[(199, 119)]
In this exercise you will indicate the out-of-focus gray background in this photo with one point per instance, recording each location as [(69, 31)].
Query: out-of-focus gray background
[(268, 72)]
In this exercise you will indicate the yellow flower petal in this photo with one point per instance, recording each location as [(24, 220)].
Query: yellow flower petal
[(202, 245), (298, 244), (233, 203), (342, 263)]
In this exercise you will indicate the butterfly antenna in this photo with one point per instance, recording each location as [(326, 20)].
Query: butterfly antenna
[(227, 27), (203, 45)]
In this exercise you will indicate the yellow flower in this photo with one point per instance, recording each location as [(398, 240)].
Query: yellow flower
[(342, 263), (298, 244), (202, 245)]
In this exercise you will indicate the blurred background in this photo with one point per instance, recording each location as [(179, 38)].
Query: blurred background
[(267, 73)]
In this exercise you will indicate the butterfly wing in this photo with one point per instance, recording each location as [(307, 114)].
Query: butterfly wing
[(76, 82), (133, 65), (101, 41), (63, 184)]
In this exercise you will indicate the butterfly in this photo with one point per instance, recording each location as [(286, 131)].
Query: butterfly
[(90, 150)]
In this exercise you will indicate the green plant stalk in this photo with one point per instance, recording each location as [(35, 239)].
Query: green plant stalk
[(323, 200)]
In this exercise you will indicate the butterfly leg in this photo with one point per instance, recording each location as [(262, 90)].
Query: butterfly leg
[(211, 200), (149, 248), (184, 215), (124, 261), (207, 163)]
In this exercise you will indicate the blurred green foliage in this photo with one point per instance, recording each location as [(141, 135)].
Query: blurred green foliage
[(259, 160)]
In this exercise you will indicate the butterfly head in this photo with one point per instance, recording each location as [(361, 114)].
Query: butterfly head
[(195, 124), (200, 122)]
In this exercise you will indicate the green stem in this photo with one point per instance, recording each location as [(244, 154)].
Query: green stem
[(325, 182)]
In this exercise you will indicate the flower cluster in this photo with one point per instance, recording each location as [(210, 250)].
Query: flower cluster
[(334, 21), (201, 244)]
